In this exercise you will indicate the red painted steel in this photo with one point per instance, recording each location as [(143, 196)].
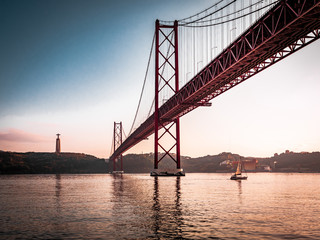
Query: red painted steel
[(117, 141), (159, 76), (156, 103), (283, 30), (177, 120)]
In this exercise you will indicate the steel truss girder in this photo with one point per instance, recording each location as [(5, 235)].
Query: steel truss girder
[(283, 30), (278, 29)]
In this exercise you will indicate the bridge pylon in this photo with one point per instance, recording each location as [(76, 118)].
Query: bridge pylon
[(117, 141), (166, 56)]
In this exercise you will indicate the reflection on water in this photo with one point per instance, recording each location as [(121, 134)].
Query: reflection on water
[(239, 182), (146, 207), (156, 207), (137, 206), (58, 186), (167, 219)]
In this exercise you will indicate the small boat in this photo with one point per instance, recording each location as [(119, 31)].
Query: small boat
[(238, 174)]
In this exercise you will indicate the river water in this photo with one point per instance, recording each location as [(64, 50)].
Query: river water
[(137, 206)]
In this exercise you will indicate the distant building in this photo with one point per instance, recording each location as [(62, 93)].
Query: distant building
[(248, 164), (226, 162), (58, 145)]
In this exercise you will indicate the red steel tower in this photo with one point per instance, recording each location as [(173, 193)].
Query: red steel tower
[(117, 141), (166, 76)]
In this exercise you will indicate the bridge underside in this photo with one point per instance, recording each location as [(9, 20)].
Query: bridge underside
[(286, 28)]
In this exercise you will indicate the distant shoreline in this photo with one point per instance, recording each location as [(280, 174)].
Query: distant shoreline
[(79, 163)]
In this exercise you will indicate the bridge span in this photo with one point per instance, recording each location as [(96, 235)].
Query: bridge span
[(284, 29)]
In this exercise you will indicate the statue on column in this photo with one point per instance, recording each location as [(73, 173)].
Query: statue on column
[(58, 146)]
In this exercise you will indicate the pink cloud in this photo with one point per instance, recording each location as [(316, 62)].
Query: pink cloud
[(16, 135)]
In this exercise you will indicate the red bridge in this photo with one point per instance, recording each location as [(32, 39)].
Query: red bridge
[(286, 27)]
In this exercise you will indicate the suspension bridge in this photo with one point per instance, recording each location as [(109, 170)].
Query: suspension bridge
[(202, 56)]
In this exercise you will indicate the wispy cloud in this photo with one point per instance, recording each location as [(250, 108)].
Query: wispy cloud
[(16, 135)]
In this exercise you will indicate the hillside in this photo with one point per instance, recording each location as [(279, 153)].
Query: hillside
[(50, 163), (143, 163), (294, 162), (284, 162)]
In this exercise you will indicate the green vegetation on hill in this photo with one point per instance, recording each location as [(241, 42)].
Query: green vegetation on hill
[(143, 163), (285, 162), (294, 162), (209, 163), (137, 163), (50, 163)]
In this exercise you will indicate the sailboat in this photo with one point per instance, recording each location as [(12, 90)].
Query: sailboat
[(238, 174)]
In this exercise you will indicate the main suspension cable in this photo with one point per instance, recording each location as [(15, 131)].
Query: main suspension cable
[(124, 133), (216, 4), (197, 14), (167, 55), (208, 15), (144, 83), (230, 20), (112, 145), (230, 14)]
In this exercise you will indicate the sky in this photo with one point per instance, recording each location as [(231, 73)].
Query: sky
[(74, 67)]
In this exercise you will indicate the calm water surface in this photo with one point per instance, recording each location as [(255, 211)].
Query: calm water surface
[(137, 206)]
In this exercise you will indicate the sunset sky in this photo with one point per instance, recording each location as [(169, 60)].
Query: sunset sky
[(74, 67)]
